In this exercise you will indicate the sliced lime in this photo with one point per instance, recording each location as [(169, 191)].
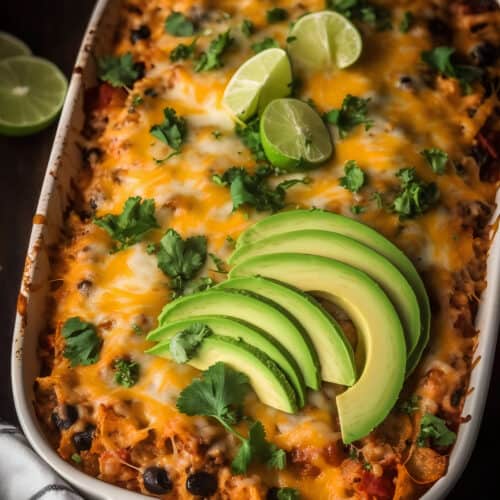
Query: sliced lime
[(323, 40), (32, 92), (293, 134), (11, 46), (264, 77)]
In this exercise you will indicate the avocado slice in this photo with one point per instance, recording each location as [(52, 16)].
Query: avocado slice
[(295, 220), (267, 380), (230, 327), (334, 351), (345, 249), (259, 313), (366, 404)]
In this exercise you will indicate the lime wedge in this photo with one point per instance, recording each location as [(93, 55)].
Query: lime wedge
[(264, 77), (324, 40), (11, 46), (32, 92), (294, 135)]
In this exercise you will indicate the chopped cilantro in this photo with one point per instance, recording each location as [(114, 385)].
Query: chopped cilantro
[(177, 24), (358, 209), (199, 285), (354, 178), (82, 344), (254, 190), (276, 15), (211, 59), (291, 39), (220, 265), (250, 136), (137, 329), (172, 131), (118, 71), (151, 248), (351, 114), (129, 227), (230, 240), (410, 406), (184, 345), (76, 458), (436, 158), (137, 100), (362, 10), (434, 429), (377, 198), (406, 22), (219, 394), (247, 27), (181, 259), (415, 196), (287, 494), (126, 372), (267, 43), (367, 466), (440, 59), (183, 51), (217, 134)]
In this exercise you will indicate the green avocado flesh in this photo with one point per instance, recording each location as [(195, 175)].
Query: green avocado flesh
[(296, 220), (366, 404), (334, 351), (230, 327), (258, 313), (345, 249), (265, 377)]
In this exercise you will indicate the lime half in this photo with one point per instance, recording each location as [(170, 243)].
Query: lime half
[(324, 40), (11, 46), (32, 92), (294, 135), (264, 77)]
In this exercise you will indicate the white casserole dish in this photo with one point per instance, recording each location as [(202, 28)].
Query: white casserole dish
[(64, 162)]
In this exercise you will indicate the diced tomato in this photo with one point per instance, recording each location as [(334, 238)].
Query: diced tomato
[(379, 487)]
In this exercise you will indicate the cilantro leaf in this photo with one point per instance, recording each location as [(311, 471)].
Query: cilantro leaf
[(127, 372), (434, 429), (354, 178), (247, 27), (287, 494), (220, 265), (211, 59), (183, 51), (358, 209), (351, 114), (118, 71), (406, 22), (362, 10), (254, 190), (172, 131), (415, 196), (436, 158), (82, 344), (199, 285), (181, 259), (250, 137), (440, 59), (410, 406), (183, 345), (267, 43), (276, 15), (177, 24), (129, 227)]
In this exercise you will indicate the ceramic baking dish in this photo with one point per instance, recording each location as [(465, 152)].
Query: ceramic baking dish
[(64, 162)]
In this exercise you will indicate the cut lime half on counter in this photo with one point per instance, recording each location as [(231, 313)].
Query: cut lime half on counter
[(324, 40), (294, 135), (32, 93), (11, 46), (263, 78)]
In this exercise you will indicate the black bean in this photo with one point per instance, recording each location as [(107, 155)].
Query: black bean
[(83, 440), (201, 483), (439, 29), (141, 33), (64, 416), (140, 67), (156, 480), (272, 493), (484, 54)]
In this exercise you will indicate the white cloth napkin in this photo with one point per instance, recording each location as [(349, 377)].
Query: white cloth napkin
[(24, 475)]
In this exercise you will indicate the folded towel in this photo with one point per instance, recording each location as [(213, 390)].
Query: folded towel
[(24, 475)]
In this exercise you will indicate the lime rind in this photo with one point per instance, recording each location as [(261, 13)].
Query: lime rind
[(10, 46)]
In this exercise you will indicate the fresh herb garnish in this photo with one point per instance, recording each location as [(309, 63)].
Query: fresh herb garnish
[(199, 285), (126, 372), (267, 43), (377, 198), (211, 59), (440, 59), (183, 51), (410, 406), (137, 329), (434, 429), (184, 345), (220, 265), (129, 227), (358, 209), (177, 24), (250, 137), (230, 241), (82, 344), (415, 196), (436, 158), (118, 71), (354, 178), (217, 134), (137, 100), (276, 15), (351, 114), (406, 22), (287, 494), (219, 394), (254, 190), (181, 259), (362, 10), (247, 27), (76, 458), (172, 131), (291, 39)]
